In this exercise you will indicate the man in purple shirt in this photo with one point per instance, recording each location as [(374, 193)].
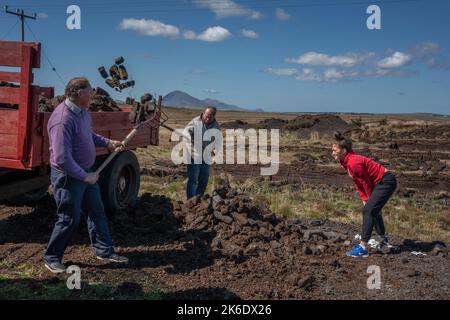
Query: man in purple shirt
[(75, 188)]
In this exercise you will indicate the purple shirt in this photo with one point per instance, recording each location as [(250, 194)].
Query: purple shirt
[(72, 142)]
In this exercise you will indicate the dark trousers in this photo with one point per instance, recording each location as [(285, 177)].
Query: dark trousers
[(372, 209), (73, 196), (198, 175)]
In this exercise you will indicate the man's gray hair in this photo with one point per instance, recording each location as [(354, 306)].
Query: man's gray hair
[(74, 86)]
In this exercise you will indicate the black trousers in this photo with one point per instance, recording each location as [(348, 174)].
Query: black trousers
[(372, 210)]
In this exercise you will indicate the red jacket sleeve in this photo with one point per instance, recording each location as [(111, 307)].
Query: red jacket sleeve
[(360, 190), (363, 183)]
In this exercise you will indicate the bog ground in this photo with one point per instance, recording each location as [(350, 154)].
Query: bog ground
[(254, 237)]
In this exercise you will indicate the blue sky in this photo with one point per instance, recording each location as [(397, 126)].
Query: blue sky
[(315, 56)]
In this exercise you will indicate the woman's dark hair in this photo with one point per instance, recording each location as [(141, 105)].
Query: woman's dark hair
[(342, 141)]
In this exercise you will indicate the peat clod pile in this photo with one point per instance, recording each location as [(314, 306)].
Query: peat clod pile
[(101, 101), (303, 125)]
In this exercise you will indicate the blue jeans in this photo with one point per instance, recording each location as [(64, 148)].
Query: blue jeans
[(73, 196), (198, 175)]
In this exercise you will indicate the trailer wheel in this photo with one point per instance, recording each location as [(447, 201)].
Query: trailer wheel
[(120, 182), (29, 197)]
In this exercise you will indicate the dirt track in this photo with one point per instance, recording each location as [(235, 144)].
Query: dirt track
[(228, 247), (225, 246)]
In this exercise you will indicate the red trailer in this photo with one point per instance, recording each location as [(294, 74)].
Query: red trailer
[(24, 147)]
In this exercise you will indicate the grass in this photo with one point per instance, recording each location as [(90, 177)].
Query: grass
[(404, 217), (175, 189), (426, 220), (314, 139), (27, 281)]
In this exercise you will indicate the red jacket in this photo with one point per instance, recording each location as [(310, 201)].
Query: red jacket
[(365, 172)]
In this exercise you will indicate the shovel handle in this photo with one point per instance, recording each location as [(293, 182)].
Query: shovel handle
[(114, 153), (181, 134)]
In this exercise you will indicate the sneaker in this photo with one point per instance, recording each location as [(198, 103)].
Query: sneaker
[(358, 252), (385, 242), (114, 257), (355, 244), (374, 244), (55, 267), (352, 245)]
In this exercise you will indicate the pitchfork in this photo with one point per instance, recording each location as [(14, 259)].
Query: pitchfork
[(153, 122), (158, 119)]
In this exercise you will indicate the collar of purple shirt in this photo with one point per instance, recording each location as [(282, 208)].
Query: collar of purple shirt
[(73, 107)]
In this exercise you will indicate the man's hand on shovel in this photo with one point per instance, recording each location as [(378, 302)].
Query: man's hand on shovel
[(91, 178), (115, 145)]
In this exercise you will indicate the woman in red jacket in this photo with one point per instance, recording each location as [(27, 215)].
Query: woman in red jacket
[(375, 185)]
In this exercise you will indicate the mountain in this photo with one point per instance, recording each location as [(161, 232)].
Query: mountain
[(182, 99), (221, 105)]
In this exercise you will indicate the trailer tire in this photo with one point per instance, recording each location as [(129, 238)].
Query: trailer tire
[(120, 182)]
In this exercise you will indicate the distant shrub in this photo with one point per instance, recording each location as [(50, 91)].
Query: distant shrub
[(384, 122), (357, 122)]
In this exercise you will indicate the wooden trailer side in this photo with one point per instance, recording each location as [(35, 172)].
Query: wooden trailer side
[(14, 137)]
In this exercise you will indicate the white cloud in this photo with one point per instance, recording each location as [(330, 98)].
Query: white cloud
[(228, 8), (211, 91), (426, 49), (357, 66), (333, 75), (377, 73), (42, 15), (214, 34), (431, 54), (396, 60), (308, 74), (150, 28), (281, 71), (392, 72), (281, 15), (336, 75), (305, 74), (249, 34), (157, 28), (320, 59), (189, 35)]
